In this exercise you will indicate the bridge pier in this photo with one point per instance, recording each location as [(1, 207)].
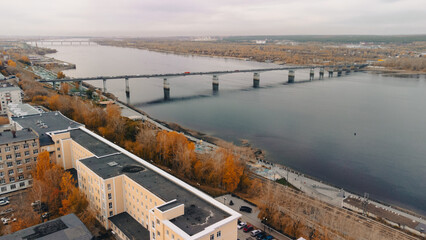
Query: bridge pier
[(80, 87), (321, 73), (54, 85), (166, 88), (311, 74), (339, 72), (104, 85), (256, 79), (330, 73), (291, 76), (126, 80), (215, 83)]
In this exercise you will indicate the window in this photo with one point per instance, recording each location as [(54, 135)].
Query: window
[(110, 205), (13, 186), (158, 233), (153, 224), (8, 156), (35, 159), (18, 155), (22, 184), (29, 167), (173, 236), (110, 213), (1, 158), (21, 177), (109, 196), (9, 164), (16, 147), (2, 181), (3, 189), (1, 166), (212, 237), (20, 170), (19, 162), (34, 144), (12, 179), (27, 153), (35, 151), (158, 221), (1, 174), (219, 233), (57, 141), (11, 172), (27, 160), (59, 155), (7, 149), (109, 187), (26, 145)]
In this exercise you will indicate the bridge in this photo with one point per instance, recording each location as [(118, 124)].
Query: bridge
[(339, 69), (60, 42)]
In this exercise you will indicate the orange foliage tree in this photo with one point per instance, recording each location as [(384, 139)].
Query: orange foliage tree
[(11, 63), (60, 75)]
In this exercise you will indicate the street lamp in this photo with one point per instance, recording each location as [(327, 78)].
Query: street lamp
[(264, 223)]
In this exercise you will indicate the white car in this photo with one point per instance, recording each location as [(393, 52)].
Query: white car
[(255, 232), (241, 225), (7, 220), (4, 202)]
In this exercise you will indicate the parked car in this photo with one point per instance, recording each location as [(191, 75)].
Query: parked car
[(9, 210), (254, 233), (269, 237), (35, 203), (248, 228), (6, 221), (241, 225), (245, 209), (4, 202), (261, 235)]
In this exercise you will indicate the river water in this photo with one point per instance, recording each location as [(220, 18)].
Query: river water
[(363, 132)]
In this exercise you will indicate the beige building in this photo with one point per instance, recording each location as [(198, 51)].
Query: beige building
[(131, 196), (18, 154)]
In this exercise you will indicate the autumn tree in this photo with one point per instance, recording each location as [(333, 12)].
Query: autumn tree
[(11, 63), (60, 75), (65, 87)]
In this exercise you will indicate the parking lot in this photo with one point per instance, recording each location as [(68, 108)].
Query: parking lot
[(249, 218)]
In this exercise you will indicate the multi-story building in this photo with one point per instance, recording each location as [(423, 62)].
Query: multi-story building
[(9, 94), (131, 196), (18, 154)]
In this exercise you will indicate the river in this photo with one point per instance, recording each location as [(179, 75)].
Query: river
[(363, 132)]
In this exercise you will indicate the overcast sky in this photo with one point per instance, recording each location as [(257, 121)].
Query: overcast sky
[(146, 18)]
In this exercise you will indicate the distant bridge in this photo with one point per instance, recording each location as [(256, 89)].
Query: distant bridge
[(60, 42), (256, 76)]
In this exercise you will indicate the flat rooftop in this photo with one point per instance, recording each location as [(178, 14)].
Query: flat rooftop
[(130, 227), (20, 136), (21, 109), (67, 227), (46, 122), (92, 144), (199, 213)]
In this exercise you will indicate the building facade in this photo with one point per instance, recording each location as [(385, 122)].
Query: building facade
[(122, 187), (18, 155), (9, 94)]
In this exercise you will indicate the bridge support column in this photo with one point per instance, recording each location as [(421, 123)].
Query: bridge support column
[(291, 76), (104, 85), (330, 73), (339, 72), (54, 85), (215, 83), (311, 74), (256, 79), (321, 73), (127, 90), (166, 88)]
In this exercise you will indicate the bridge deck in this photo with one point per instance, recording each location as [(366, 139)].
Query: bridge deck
[(166, 75)]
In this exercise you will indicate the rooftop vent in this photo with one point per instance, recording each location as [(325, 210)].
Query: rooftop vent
[(112, 164), (132, 169)]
